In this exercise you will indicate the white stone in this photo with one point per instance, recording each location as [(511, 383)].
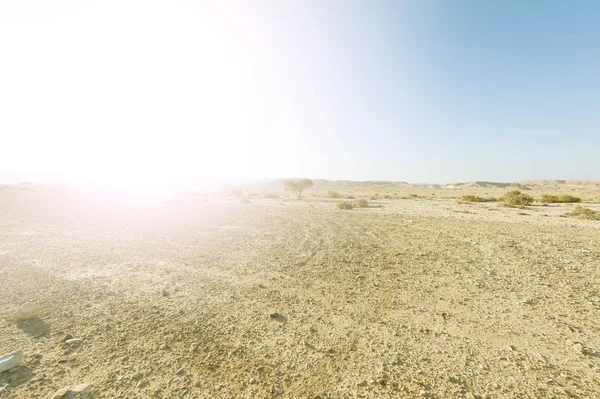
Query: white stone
[(28, 310), (11, 360)]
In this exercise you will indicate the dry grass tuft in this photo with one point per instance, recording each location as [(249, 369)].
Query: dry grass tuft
[(344, 205), (361, 203), (580, 212), (475, 198), (516, 198), (559, 199)]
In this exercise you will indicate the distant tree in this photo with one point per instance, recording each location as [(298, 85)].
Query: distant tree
[(297, 185)]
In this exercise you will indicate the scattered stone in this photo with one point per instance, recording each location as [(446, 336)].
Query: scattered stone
[(66, 338), (80, 391), (252, 380), (422, 392), (279, 317), (72, 341), (28, 310), (137, 376), (165, 347), (181, 371), (10, 361), (142, 384), (194, 347), (60, 393)]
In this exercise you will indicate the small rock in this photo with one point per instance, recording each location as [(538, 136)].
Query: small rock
[(279, 317), (11, 360), (66, 338), (72, 341), (142, 384), (164, 347), (422, 392), (252, 380), (60, 393), (181, 371), (28, 310), (137, 376), (80, 391)]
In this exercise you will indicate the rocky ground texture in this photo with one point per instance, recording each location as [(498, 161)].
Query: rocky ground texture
[(297, 299)]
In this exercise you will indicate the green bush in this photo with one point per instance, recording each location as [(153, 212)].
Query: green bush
[(361, 203), (516, 198), (580, 212), (559, 199), (344, 205)]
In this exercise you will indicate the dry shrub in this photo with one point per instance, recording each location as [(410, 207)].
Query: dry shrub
[(333, 194), (475, 198), (559, 199), (516, 198), (344, 205), (271, 195), (361, 203), (580, 212)]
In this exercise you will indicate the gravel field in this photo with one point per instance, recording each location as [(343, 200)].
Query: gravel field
[(213, 298)]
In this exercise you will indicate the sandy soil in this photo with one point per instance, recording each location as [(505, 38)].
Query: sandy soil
[(296, 299)]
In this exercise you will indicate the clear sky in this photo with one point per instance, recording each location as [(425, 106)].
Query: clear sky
[(422, 91)]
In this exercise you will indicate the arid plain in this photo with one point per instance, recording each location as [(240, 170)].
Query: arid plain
[(209, 296)]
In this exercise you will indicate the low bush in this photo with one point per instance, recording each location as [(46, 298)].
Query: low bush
[(559, 199), (344, 205), (475, 198), (361, 203), (333, 194), (271, 195), (516, 198), (580, 212)]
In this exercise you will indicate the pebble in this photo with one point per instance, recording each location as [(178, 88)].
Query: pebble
[(67, 337), (72, 341), (28, 310), (137, 376), (11, 360), (80, 391)]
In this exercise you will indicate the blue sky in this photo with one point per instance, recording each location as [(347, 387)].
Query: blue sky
[(421, 91)]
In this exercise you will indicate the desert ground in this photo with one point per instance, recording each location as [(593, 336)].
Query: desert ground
[(209, 296)]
